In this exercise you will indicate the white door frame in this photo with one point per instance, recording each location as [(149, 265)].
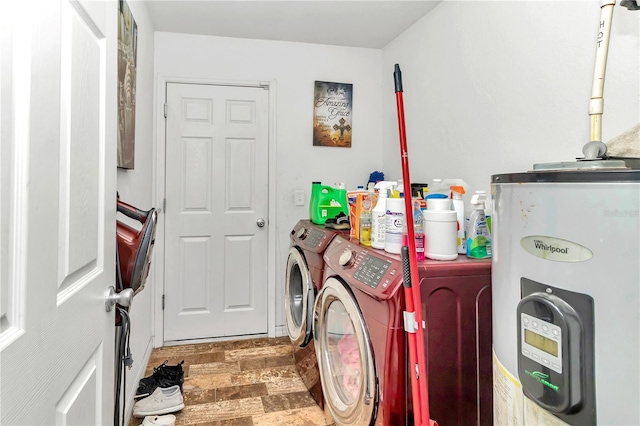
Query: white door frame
[(157, 288)]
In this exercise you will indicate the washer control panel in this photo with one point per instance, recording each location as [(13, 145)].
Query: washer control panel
[(372, 270), (541, 341), (314, 237), (311, 237)]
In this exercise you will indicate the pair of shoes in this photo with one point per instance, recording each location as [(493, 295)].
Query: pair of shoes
[(161, 401), (341, 221), (163, 376), (167, 420)]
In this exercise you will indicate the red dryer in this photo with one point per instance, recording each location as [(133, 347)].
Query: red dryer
[(361, 344), (359, 336)]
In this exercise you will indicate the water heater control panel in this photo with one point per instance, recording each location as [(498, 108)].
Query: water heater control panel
[(541, 341), (556, 351)]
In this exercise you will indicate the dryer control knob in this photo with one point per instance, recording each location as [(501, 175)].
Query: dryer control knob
[(302, 234), (347, 258)]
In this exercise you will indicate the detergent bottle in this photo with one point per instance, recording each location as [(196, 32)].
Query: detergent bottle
[(418, 228), (327, 202), (458, 205), (478, 237), (378, 214)]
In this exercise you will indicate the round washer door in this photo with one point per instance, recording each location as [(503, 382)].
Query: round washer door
[(298, 298), (345, 356)]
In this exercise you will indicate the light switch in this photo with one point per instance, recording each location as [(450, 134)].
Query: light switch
[(298, 196)]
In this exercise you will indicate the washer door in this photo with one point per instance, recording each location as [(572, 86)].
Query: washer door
[(298, 298), (345, 356)]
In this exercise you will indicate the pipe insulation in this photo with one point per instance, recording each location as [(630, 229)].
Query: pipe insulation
[(596, 105)]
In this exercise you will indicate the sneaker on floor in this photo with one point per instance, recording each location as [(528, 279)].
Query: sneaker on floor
[(166, 420), (161, 401), (163, 376)]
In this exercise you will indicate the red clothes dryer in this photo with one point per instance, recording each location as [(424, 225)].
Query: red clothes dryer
[(361, 342), (304, 275), (359, 336)]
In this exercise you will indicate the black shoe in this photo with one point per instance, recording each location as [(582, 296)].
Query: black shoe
[(341, 221), (164, 376)]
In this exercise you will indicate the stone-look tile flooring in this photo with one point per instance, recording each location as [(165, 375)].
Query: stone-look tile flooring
[(249, 382)]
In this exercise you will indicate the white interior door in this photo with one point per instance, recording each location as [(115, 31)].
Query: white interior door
[(57, 212), (216, 198)]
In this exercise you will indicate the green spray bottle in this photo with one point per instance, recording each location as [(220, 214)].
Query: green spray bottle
[(478, 236)]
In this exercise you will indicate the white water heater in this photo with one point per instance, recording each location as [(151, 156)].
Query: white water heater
[(566, 305)]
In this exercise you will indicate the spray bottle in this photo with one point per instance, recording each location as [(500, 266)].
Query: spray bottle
[(482, 195), (478, 237), (488, 211), (378, 214), (458, 205)]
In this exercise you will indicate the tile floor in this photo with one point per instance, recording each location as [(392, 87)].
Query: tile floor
[(250, 382)]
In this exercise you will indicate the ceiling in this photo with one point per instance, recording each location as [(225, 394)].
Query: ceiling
[(355, 23)]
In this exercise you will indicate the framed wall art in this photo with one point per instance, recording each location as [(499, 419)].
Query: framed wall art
[(127, 53), (332, 114)]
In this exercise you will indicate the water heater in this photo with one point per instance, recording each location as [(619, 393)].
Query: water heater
[(566, 305)]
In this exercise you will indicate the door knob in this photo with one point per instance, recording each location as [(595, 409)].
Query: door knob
[(124, 298), (260, 222)]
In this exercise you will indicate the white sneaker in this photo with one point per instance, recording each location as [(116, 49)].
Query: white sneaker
[(167, 420), (161, 401)]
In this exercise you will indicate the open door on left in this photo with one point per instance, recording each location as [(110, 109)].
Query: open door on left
[(57, 211)]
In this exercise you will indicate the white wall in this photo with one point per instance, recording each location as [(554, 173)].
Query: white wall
[(295, 67), (135, 188), (494, 87)]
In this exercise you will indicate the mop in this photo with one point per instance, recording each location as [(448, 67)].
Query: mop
[(413, 322)]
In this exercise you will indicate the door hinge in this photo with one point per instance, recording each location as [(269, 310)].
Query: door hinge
[(164, 204), (163, 302), (165, 110)]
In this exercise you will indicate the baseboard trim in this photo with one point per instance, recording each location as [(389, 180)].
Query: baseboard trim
[(131, 389), (213, 339), (281, 330)]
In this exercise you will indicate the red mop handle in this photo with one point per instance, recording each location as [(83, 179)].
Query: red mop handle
[(418, 360), (411, 335)]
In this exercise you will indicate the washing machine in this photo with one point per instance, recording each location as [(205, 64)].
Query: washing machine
[(304, 274), (361, 344)]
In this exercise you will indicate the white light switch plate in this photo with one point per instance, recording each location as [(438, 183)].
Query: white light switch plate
[(298, 196)]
